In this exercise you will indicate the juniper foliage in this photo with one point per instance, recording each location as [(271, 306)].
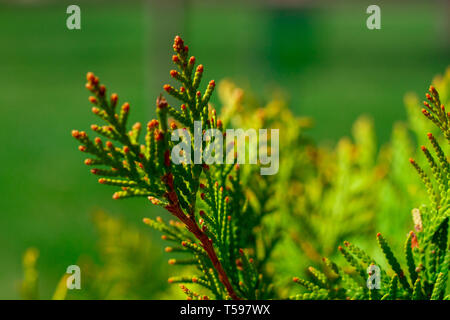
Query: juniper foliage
[(213, 223), (426, 250), (228, 222)]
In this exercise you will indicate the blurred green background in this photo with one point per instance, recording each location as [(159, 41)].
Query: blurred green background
[(320, 53)]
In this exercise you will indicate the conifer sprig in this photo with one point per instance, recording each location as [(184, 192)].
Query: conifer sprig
[(426, 249), (436, 112), (213, 219)]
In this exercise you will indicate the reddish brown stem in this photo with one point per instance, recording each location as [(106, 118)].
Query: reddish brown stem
[(206, 244)]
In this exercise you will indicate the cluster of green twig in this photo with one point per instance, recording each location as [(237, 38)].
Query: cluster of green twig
[(214, 223), (218, 210), (426, 249)]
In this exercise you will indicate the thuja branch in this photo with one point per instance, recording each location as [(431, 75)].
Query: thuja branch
[(146, 170), (207, 244), (426, 248)]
